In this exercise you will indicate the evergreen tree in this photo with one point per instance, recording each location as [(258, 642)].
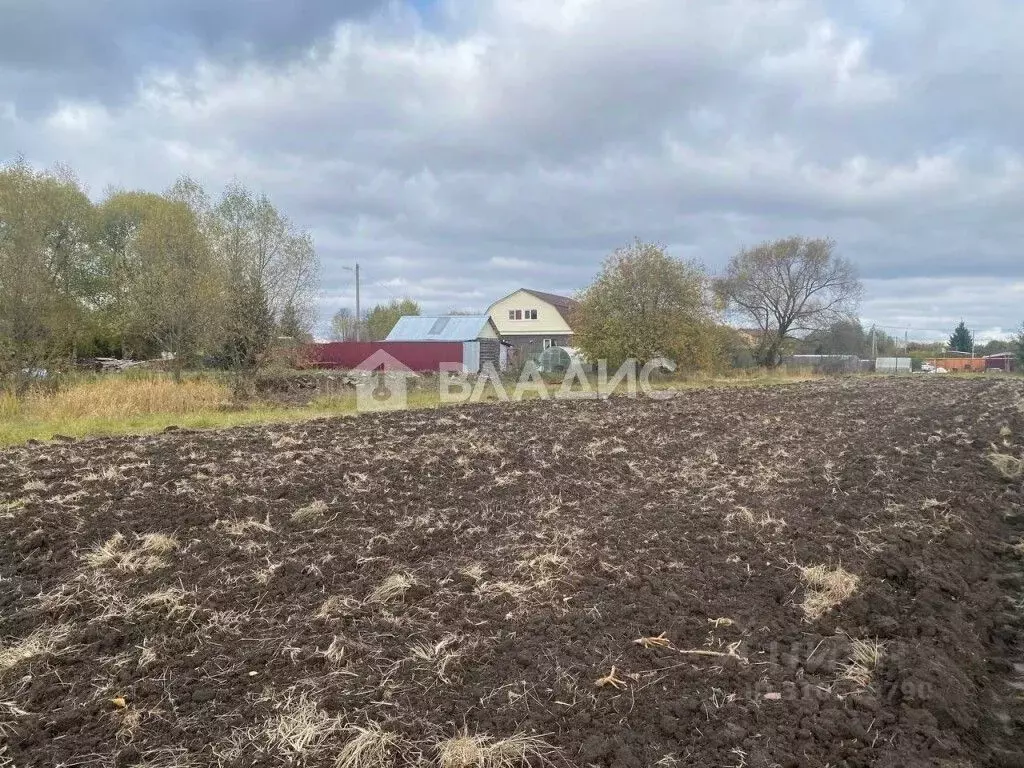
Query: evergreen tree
[(291, 326), (962, 339), (249, 326)]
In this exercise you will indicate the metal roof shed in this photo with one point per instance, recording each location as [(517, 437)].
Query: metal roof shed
[(478, 334), (443, 328)]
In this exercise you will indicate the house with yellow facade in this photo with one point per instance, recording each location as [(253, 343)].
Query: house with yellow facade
[(532, 321)]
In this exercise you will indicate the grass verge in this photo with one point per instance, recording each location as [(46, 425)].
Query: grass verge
[(132, 404)]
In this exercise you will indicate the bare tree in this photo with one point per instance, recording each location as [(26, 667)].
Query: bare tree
[(789, 286)]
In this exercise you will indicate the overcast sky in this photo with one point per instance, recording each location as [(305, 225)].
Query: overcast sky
[(461, 149)]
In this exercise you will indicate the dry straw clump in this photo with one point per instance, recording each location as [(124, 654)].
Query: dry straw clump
[(298, 731), (42, 642), (865, 656), (312, 512), (393, 588), (369, 747), (484, 751), (826, 588), (146, 555), (440, 655), (1010, 467)]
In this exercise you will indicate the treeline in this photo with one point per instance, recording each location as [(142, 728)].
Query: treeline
[(646, 304), (145, 275), (790, 296)]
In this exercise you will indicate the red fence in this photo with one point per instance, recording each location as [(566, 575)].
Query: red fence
[(370, 355)]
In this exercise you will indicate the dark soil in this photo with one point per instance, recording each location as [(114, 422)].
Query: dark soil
[(542, 540)]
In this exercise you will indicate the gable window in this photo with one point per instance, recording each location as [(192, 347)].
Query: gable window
[(519, 314), (511, 314), (531, 314)]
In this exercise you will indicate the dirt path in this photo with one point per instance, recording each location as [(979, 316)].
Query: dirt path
[(817, 574)]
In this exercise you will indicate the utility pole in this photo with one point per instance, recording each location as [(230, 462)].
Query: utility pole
[(359, 315), (874, 344)]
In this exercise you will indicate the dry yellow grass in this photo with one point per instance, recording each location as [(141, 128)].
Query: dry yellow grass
[(114, 397), (826, 588), (311, 512), (140, 403), (484, 751), (1009, 466), (393, 588), (146, 555), (864, 658), (370, 747), (297, 732), (41, 642)]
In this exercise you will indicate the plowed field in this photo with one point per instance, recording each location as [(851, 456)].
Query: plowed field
[(809, 575)]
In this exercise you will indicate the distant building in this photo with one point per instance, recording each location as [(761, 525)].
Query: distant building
[(1003, 361), (532, 321)]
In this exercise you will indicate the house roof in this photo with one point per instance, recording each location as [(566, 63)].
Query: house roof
[(564, 304), (439, 328)]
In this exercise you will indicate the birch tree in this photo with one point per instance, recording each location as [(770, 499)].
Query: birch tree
[(259, 246)]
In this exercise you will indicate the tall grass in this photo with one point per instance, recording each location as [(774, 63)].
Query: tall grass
[(138, 403), (113, 398)]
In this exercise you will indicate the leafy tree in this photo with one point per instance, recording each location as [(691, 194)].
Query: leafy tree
[(962, 339), (142, 273), (786, 287), (266, 263), (254, 242), (343, 325), (171, 294), (846, 337), (645, 304), (1018, 347), (383, 317), (49, 271), (995, 346)]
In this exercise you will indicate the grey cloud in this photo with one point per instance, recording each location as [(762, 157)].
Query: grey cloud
[(53, 49), (450, 158)]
